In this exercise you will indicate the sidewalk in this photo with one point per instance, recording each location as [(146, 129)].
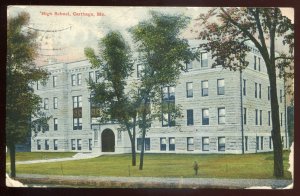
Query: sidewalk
[(77, 156), (151, 182)]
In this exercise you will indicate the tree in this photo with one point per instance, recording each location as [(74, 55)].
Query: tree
[(163, 55), (21, 102), (227, 40), (116, 65)]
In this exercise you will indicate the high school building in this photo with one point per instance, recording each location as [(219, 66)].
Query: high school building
[(224, 111)]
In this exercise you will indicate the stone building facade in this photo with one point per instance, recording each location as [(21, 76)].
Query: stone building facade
[(224, 112)]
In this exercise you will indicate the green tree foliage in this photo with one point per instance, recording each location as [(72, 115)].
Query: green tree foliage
[(21, 102), (163, 54), (227, 31), (115, 65)]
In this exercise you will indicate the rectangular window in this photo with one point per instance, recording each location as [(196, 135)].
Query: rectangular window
[(91, 76), (79, 79), (256, 116), (221, 87), (165, 93), (190, 117), (97, 75), (55, 102), (168, 93), (270, 142), (139, 144), (269, 93), (281, 119), (190, 143), (255, 93), (75, 101), (205, 144), (269, 118), (204, 59), (54, 81), (262, 142), (280, 96), (77, 123), (205, 116), (189, 89), (77, 112), (171, 93), (168, 104), (73, 79), (189, 65), (259, 91), (246, 143), (38, 144), (73, 145), (55, 145), (257, 142), (244, 87), (46, 103), (245, 116), (221, 115), (171, 144), (204, 86), (55, 124), (147, 144), (79, 144), (165, 119), (46, 144), (254, 62), (260, 117), (258, 63), (90, 144), (140, 70), (221, 143), (163, 144)]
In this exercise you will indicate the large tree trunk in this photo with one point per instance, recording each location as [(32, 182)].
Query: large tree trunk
[(133, 145), (12, 154), (143, 149), (276, 136), (132, 141), (143, 142), (133, 154)]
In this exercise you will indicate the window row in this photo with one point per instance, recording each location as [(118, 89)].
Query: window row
[(46, 144), (203, 61), (257, 63), (169, 144), (258, 91), (76, 79), (46, 103), (54, 83), (205, 116), (75, 144), (260, 142), (259, 117), (204, 88)]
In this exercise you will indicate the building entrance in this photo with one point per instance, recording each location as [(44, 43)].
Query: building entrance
[(108, 141)]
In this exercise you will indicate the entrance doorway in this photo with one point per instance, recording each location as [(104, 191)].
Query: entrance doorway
[(108, 141)]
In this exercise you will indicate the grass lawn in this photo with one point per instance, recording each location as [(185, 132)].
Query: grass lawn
[(259, 166), (26, 156)]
